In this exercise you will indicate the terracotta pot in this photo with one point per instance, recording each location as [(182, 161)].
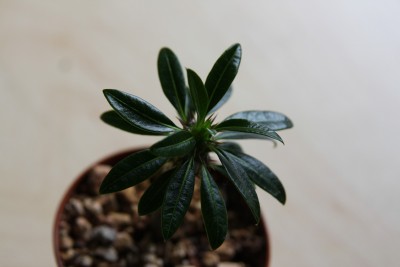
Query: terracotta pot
[(111, 160)]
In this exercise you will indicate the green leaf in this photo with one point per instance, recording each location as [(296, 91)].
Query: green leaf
[(238, 135), (223, 100), (262, 176), (220, 169), (153, 197), (190, 110), (240, 179), (138, 112), (172, 80), (245, 126), (177, 198), (275, 121), (174, 145), (198, 94), (231, 147), (112, 118), (222, 74), (213, 209), (131, 171)]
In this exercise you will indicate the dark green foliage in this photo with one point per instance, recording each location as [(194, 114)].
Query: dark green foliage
[(177, 198), (247, 127), (112, 118), (275, 121), (222, 74), (238, 176), (172, 80), (153, 197), (213, 208), (187, 150), (177, 144), (198, 93), (132, 170), (262, 176)]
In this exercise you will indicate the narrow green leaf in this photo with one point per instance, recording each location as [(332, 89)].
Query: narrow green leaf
[(174, 145), (220, 169), (238, 135), (231, 147), (190, 110), (222, 74), (213, 210), (172, 80), (138, 112), (223, 100), (275, 121), (131, 170), (262, 176), (245, 126), (112, 118), (198, 94), (177, 198), (240, 179), (153, 197)]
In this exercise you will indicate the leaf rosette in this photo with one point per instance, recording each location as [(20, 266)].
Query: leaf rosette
[(189, 148)]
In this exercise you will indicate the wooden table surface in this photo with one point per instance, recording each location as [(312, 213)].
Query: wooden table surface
[(331, 66)]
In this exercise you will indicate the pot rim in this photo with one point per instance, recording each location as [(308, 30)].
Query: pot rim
[(112, 159)]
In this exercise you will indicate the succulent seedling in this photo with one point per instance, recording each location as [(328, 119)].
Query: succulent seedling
[(188, 149)]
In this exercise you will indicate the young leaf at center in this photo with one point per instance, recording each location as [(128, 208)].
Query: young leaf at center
[(198, 94)]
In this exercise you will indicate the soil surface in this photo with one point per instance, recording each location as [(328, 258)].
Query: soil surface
[(106, 231)]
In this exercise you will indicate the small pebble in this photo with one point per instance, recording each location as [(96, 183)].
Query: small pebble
[(119, 219), (210, 259), (107, 202), (102, 264), (84, 261), (68, 255), (231, 264), (82, 227), (179, 251), (109, 254), (93, 207), (103, 235), (75, 207), (226, 251), (123, 241), (149, 258), (66, 242)]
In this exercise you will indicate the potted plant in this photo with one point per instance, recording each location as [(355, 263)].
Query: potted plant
[(196, 167)]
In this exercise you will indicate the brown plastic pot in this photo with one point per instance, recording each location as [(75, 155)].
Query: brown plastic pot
[(112, 160)]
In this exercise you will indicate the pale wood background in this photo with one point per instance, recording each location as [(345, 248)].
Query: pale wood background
[(332, 66)]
